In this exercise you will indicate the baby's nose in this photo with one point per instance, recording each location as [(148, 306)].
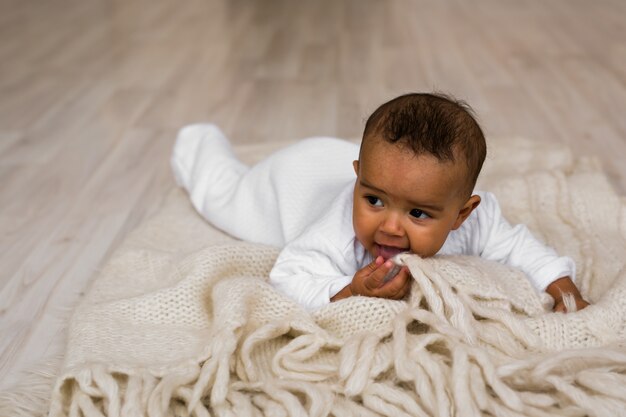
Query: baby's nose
[(392, 225)]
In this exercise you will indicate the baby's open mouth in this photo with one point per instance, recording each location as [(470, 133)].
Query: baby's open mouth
[(388, 252)]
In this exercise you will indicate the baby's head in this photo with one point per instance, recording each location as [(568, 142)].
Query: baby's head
[(419, 161)]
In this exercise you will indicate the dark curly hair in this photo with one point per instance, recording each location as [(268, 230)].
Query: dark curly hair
[(434, 124)]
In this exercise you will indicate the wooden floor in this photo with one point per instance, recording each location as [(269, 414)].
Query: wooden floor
[(92, 93)]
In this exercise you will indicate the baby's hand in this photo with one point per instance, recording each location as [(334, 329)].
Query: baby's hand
[(559, 288), (369, 281), (559, 306)]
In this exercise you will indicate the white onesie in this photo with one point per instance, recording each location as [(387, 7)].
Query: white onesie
[(301, 198)]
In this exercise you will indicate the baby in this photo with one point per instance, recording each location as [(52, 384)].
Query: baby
[(416, 169)]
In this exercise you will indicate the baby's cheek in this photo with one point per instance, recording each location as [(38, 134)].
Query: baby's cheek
[(361, 234), (363, 231), (425, 244)]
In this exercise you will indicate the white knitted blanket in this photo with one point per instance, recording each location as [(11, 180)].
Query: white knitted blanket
[(181, 321)]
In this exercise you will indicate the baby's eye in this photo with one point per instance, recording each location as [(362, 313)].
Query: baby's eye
[(418, 214), (374, 201)]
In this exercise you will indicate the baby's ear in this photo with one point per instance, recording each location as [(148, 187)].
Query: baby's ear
[(466, 210), (355, 165)]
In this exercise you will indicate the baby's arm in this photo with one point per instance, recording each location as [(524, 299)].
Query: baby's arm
[(310, 270), (517, 247), (313, 277), (314, 270)]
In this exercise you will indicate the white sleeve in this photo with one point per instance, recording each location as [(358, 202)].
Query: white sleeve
[(311, 272), (320, 262), (517, 247)]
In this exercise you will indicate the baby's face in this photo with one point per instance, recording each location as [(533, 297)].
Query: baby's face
[(404, 202)]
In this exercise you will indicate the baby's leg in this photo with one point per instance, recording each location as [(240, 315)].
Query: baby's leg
[(271, 202), (204, 164)]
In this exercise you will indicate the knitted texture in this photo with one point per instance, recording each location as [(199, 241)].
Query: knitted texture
[(181, 321)]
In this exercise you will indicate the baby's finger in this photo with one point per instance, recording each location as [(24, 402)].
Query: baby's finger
[(367, 276), (375, 264), (399, 286), (377, 277), (559, 307), (407, 285)]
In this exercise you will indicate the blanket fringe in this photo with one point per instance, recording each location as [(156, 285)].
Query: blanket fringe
[(169, 388), (269, 331), (215, 372), (357, 358), (413, 362), (290, 397), (446, 377), (389, 400), (290, 362)]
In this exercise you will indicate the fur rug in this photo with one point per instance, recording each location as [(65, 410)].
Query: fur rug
[(181, 320)]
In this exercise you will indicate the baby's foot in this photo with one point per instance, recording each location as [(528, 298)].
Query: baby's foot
[(193, 143)]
